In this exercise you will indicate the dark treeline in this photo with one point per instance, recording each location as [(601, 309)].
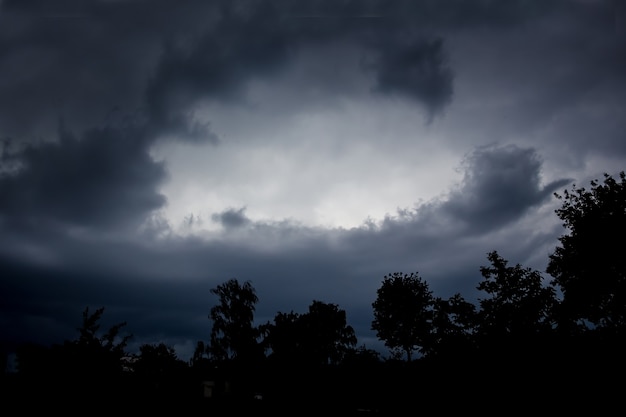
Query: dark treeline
[(532, 343)]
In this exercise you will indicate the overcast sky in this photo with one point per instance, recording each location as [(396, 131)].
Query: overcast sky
[(151, 150)]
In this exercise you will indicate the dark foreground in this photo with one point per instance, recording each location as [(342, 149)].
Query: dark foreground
[(409, 390)]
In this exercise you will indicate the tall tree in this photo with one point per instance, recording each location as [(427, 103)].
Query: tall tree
[(199, 354), (110, 341), (321, 336), (94, 351), (157, 359), (454, 326), (233, 334), (284, 337), (328, 336), (403, 312), (519, 303), (589, 266)]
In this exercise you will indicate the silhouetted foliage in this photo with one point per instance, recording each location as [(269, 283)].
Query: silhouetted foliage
[(403, 313), (90, 353), (321, 336), (233, 335), (519, 303), (234, 348), (454, 327), (589, 266), (105, 351), (157, 359), (85, 369), (200, 354), (284, 337), (329, 337)]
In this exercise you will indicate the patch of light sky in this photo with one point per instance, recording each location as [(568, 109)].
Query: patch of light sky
[(331, 168)]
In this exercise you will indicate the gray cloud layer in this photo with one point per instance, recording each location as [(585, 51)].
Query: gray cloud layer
[(80, 59)]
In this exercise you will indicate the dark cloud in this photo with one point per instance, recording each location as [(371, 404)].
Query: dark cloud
[(259, 39), (231, 218), (104, 179), (72, 63), (215, 65), (555, 80), (79, 50), (418, 70), (80, 59), (500, 184)]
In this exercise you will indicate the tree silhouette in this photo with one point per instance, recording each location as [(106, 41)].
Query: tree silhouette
[(95, 353), (516, 320), (519, 303), (157, 359), (109, 342), (283, 339), (320, 337), (589, 266), (454, 326), (403, 312), (330, 337), (233, 335), (199, 354), (87, 368)]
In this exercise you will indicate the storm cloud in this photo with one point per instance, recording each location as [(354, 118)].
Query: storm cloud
[(104, 179), (499, 185)]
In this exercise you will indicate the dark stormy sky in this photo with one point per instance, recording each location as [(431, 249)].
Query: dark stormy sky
[(151, 150)]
